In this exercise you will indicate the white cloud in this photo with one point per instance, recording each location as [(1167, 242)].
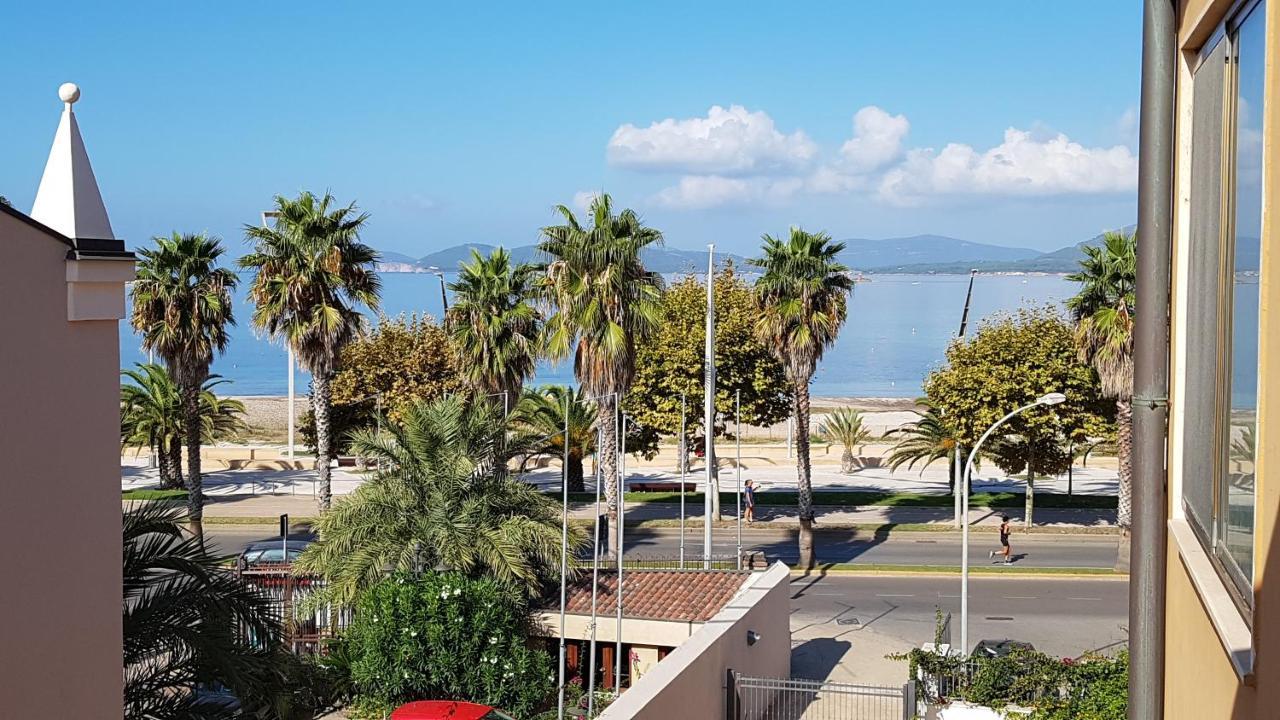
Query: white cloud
[(1021, 165), (877, 140), (699, 192), (729, 141), (582, 199)]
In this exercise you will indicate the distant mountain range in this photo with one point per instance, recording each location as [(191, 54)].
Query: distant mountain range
[(916, 254)]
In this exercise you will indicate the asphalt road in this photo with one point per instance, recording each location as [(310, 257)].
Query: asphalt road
[(902, 548)]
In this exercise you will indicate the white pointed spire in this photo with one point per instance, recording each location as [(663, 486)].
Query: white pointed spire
[(68, 199)]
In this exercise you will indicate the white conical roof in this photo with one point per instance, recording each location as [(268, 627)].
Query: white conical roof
[(68, 199)]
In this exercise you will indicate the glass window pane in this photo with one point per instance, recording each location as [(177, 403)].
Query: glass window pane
[(1203, 282), (1242, 396)]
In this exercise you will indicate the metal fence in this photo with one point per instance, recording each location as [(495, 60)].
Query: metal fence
[(633, 561), (753, 698), (306, 626)]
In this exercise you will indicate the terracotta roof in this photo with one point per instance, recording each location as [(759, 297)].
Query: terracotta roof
[(682, 595)]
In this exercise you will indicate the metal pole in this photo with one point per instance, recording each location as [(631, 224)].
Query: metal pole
[(737, 416), (622, 509), (292, 421), (1151, 361), (709, 410), (595, 580), (790, 431), (683, 459), (564, 550), (444, 300)]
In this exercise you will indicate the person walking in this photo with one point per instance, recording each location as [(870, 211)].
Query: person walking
[(749, 496), (1005, 529)]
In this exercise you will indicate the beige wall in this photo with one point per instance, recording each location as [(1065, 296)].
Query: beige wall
[(1200, 681), (59, 516), (689, 683)]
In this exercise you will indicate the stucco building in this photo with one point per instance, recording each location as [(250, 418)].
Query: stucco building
[(62, 284)]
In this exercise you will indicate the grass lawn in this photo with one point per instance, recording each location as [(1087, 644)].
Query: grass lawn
[(150, 494), (775, 498)]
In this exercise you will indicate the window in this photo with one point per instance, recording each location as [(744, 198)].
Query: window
[(1225, 228)]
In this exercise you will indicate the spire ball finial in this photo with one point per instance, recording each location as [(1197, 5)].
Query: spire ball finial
[(69, 92)]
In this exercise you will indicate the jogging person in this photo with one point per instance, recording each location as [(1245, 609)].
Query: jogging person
[(749, 495), (1005, 529)]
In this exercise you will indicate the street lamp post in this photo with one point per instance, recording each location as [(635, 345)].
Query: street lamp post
[(267, 215), (683, 460), (1045, 400), (444, 300)]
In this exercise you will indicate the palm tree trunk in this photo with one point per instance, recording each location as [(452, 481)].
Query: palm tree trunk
[(191, 434), (161, 450), (609, 463), (320, 409), (174, 451), (804, 482), (1124, 449), (576, 483), (846, 461)]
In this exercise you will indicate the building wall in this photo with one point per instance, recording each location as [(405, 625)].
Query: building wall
[(1201, 682), (690, 682), (59, 518)]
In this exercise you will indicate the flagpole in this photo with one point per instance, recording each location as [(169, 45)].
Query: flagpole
[(595, 581), (708, 408), (683, 459), (564, 549), (622, 509), (737, 416)]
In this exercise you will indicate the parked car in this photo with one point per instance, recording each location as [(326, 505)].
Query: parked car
[(447, 710), (269, 551), (999, 648)]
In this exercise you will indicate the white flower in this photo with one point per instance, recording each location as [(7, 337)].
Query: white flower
[(413, 634), (457, 592), (493, 640), (444, 594)]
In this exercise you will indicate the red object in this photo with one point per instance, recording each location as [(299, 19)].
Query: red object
[(440, 710)]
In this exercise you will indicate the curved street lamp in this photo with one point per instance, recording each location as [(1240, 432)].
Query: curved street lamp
[(1053, 398)]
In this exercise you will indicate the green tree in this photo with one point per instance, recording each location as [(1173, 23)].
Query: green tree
[(844, 426), (541, 414), (925, 441), (493, 324), (802, 298), (386, 369), (187, 620), (151, 417), (311, 275), (442, 498), (447, 636), (605, 303), (670, 362), (1010, 362), (182, 307), (1103, 312)]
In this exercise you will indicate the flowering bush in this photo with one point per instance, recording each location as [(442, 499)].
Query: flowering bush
[(444, 636)]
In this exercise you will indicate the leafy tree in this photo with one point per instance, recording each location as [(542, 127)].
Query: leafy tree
[(670, 362), (605, 304), (442, 498), (151, 417), (387, 368), (1010, 362), (493, 324), (925, 441), (844, 426), (1103, 312), (311, 274), (447, 636), (182, 307), (187, 620), (802, 297), (541, 413)]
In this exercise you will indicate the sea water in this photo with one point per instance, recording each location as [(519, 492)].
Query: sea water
[(898, 330)]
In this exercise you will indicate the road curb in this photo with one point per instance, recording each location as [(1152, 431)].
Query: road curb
[(1028, 574)]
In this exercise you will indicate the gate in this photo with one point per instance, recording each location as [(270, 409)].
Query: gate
[(753, 698)]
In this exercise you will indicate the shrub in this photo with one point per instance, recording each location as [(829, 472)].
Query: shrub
[(445, 636)]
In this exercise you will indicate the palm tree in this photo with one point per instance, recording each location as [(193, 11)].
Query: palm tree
[(844, 426), (182, 307), (1103, 312), (442, 498), (493, 325), (803, 301), (151, 416), (925, 441), (311, 274), (605, 301), (187, 621), (541, 411)]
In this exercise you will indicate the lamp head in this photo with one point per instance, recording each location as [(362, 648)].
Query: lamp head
[(1053, 398)]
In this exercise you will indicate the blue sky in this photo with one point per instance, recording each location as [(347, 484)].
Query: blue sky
[(1004, 122)]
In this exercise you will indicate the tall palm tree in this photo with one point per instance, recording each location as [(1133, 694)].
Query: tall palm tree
[(606, 302), (311, 274), (187, 620), (493, 324), (541, 412), (802, 295), (1104, 314), (442, 498), (925, 441), (182, 307), (844, 426)]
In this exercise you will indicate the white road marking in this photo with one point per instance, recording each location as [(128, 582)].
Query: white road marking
[(892, 595), (1074, 598), (1019, 597)]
